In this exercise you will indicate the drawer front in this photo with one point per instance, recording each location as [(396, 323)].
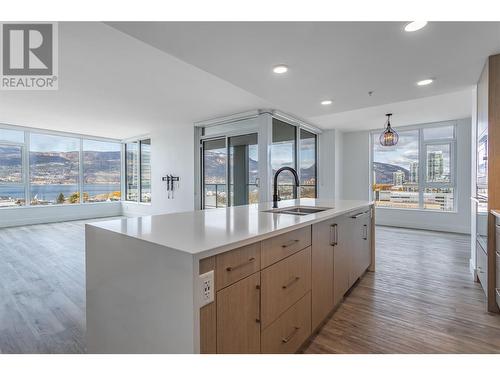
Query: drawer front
[(237, 264), (482, 267), (283, 284), (279, 247), (290, 330)]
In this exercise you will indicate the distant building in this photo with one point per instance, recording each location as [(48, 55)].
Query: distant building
[(398, 178), (435, 168), (414, 172)]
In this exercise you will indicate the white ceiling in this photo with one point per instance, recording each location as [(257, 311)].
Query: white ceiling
[(452, 106), (337, 60), (134, 78), (112, 85)]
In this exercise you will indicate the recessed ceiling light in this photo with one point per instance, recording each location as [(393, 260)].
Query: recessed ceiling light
[(414, 26), (326, 102), (280, 69), (425, 82)]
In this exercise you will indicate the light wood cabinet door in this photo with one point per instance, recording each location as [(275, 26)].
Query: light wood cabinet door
[(284, 283), (359, 246), (342, 259), (279, 247), (290, 330), (322, 287), (238, 317), (237, 264)]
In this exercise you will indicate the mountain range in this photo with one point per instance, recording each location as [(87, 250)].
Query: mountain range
[(383, 172)]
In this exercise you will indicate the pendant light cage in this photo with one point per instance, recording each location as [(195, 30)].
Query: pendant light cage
[(389, 137)]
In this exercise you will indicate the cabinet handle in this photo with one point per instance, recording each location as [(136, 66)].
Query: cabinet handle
[(290, 336), (335, 241), (359, 215), (292, 242), (365, 232), (498, 254), (229, 269), (293, 281)]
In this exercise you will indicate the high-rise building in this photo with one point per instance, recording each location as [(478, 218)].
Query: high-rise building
[(435, 167), (398, 178), (414, 171)]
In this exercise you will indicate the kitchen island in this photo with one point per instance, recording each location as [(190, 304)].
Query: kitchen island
[(231, 280)]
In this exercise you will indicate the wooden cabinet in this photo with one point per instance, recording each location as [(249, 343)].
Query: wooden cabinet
[(271, 294), (238, 317), (284, 283), (279, 247), (323, 243), (236, 264), (359, 244), (342, 259), (290, 330)]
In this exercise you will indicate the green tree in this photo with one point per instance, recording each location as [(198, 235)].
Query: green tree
[(74, 198), (60, 198)]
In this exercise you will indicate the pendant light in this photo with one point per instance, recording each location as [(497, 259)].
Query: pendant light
[(389, 137)]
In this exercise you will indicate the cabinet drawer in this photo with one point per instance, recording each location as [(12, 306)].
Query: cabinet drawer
[(279, 247), (290, 330), (482, 267), (284, 283), (237, 264)]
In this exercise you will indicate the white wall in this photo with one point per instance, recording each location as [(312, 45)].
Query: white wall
[(355, 184), (330, 164), (172, 152)]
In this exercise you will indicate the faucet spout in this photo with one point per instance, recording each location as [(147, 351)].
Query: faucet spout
[(275, 193)]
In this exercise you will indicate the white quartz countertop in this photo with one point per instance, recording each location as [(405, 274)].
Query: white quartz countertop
[(208, 232)]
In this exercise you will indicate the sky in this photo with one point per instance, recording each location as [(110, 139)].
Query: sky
[(406, 150)]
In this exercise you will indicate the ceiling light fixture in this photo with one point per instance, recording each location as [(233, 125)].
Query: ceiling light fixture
[(280, 69), (389, 137), (414, 26), (425, 82), (326, 102)]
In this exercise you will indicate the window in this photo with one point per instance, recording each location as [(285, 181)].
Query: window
[(417, 173), (138, 171), (12, 191), (283, 151), (101, 171), (214, 173), (145, 170), (307, 164), (57, 169), (131, 171), (54, 169)]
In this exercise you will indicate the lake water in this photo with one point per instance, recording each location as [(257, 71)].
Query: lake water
[(51, 192)]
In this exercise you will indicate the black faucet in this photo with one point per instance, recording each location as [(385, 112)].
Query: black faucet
[(276, 198)]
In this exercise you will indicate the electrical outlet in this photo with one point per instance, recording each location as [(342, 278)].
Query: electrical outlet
[(206, 288)]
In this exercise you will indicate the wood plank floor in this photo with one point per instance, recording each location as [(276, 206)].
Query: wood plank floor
[(42, 288), (420, 300)]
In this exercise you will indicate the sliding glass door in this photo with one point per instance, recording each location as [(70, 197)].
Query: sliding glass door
[(230, 171)]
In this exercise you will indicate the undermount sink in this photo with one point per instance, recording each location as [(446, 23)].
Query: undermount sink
[(297, 210)]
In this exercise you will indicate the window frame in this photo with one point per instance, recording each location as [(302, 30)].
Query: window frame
[(422, 160), (138, 141), (26, 184)]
